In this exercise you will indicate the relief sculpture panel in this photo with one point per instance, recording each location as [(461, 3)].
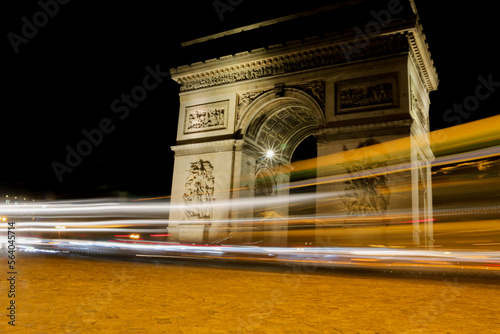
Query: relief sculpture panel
[(211, 116), (199, 191), (367, 94), (365, 195)]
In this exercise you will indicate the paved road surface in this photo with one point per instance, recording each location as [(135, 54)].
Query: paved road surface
[(69, 294)]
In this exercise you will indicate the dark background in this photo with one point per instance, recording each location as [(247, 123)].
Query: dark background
[(65, 78)]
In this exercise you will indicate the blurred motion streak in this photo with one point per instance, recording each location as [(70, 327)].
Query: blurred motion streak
[(465, 217)]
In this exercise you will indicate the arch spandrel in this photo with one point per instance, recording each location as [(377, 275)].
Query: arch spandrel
[(281, 123), (268, 102)]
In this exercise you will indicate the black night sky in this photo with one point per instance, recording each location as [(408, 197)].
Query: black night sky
[(65, 78)]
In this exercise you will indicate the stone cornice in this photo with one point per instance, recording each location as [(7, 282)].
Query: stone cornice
[(368, 129), (421, 53), (422, 57), (275, 60), (208, 147)]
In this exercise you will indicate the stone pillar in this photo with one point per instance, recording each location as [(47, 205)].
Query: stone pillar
[(201, 191), (355, 166)]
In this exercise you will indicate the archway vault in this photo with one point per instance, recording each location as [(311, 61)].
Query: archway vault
[(280, 123)]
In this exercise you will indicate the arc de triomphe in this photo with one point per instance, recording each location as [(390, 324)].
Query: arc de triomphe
[(358, 85)]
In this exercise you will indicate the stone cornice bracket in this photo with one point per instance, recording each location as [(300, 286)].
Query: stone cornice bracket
[(420, 51)]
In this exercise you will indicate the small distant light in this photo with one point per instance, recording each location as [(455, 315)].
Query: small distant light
[(4, 219), (270, 153)]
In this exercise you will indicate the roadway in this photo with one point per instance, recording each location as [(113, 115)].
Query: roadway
[(68, 293)]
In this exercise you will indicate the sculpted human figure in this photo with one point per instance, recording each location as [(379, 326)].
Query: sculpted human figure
[(199, 190)]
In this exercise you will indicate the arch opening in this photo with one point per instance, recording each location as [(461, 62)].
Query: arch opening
[(273, 129), (302, 181)]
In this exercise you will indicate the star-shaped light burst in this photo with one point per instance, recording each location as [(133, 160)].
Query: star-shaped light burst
[(271, 154)]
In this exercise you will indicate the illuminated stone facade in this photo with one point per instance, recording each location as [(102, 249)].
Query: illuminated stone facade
[(237, 107)]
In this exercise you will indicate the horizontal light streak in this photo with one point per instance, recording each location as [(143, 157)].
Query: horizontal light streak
[(320, 256), (473, 135), (69, 230), (70, 224)]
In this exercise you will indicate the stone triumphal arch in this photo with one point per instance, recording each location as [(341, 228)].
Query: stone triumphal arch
[(363, 96)]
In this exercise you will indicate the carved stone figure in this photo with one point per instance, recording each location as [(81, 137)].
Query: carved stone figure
[(315, 89), (199, 191), (368, 95), (205, 119), (318, 91), (365, 195), (244, 100), (418, 110)]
